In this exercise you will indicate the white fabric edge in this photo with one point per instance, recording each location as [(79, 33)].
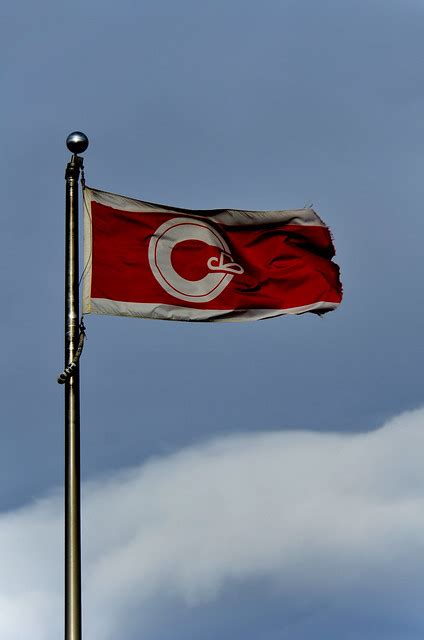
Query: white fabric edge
[(159, 311), (88, 252), (306, 217)]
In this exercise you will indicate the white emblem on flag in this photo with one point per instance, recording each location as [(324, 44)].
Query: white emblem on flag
[(221, 270)]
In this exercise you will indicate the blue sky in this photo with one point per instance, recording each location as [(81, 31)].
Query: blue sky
[(228, 104)]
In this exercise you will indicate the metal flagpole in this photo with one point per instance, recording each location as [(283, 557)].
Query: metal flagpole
[(76, 142)]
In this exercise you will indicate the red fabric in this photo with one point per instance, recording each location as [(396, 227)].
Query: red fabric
[(285, 266)]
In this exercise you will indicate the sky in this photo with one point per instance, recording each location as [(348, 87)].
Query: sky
[(253, 480)]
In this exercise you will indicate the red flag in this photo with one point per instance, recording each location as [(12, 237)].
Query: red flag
[(155, 261)]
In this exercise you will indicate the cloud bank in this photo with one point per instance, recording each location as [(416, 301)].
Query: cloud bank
[(318, 516)]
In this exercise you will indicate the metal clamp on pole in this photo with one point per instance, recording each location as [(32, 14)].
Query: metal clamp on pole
[(70, 369)]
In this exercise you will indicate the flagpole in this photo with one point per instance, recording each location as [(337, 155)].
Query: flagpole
[(76, 142)]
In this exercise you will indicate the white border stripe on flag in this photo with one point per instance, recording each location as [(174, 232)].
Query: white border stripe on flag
[(175, 312)]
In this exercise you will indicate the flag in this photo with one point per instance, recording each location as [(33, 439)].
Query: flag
[(155, 261)]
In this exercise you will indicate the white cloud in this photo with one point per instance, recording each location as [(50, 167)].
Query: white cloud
[(341, 515)]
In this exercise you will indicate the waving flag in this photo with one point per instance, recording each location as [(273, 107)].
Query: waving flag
[(154, 261)]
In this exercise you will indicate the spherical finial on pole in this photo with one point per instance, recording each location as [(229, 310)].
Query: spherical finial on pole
[(77, 142)]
